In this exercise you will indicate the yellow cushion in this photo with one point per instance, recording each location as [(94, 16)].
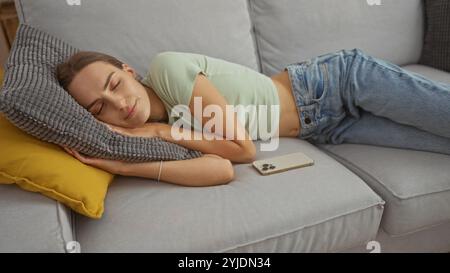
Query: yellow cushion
[(43, 167)]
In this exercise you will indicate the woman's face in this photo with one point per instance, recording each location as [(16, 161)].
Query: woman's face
[(110, 93)]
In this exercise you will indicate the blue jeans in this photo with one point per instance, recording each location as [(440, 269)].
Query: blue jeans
[(351, 97)]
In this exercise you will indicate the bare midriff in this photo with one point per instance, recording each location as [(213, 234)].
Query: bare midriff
[(289, 120)]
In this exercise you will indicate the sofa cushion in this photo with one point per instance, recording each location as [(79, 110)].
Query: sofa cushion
[(320, 208), (213, 27), (414, 184), (31, 222), (289, 31), (430, 72), (431, 240)]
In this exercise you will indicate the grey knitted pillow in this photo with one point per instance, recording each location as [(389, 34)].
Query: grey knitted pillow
[(33, 100), (436, 48)]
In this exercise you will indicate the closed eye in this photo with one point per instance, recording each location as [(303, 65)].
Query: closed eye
[(116, 85), (101, 108)]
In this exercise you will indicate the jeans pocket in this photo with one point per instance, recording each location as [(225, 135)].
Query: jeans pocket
[(319, 88)]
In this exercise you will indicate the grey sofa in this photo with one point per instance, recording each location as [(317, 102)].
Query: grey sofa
[(356, 198)]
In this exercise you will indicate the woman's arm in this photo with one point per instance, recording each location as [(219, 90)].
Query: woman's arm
[(198, 141), (208, 170), (191, 139), (240, 148)]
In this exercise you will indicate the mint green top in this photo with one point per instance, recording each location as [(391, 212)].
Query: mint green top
[(172, 74)]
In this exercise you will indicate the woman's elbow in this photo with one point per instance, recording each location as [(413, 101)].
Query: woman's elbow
[(226, 173), (246, 156), (229, 172), (251, 156), (220, 172)]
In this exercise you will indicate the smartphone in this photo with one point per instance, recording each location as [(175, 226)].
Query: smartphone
[(282, 163)]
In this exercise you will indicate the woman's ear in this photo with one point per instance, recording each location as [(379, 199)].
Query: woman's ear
[(129, 69)]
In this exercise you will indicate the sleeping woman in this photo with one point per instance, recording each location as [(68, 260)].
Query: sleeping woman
[(341, 97)]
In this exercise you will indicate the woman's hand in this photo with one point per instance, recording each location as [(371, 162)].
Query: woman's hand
[(111, 166), (146, 130)]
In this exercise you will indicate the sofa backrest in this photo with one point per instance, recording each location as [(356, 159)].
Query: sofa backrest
[(135, 31), (265, 35), (289, 31)]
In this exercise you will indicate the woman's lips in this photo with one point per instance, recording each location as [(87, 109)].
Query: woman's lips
[(132, 111)]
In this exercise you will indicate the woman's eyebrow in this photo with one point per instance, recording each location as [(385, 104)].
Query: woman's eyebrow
[(108, 79)]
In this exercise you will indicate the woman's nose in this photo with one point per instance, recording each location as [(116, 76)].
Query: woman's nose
[(120, 104)]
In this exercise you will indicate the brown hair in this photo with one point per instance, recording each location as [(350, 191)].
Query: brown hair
[(66, 71)]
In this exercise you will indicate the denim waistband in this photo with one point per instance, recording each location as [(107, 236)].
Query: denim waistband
[(307, 109)]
